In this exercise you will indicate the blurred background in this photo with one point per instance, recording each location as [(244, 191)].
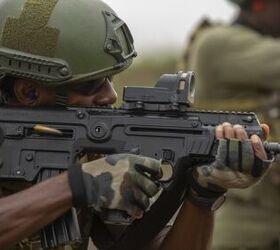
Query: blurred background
[(160, 29)]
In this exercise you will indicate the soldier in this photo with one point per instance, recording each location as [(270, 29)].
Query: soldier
[(237, 68), (59, 52)]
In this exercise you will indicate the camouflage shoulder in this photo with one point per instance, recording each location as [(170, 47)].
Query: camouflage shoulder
[(204, 41), (213, 43), (215, 35), (223, 35)]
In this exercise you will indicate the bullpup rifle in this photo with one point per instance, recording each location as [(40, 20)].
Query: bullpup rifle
[(36, 144)]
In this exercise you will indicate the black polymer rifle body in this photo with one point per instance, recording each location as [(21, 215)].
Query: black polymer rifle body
[(154, 122)]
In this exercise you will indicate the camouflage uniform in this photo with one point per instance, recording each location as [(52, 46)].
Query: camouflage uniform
[(238, 69)]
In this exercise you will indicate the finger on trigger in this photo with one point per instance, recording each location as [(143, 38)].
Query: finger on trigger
[(146, 185), (150, 166), (240, 132), (226, 124)]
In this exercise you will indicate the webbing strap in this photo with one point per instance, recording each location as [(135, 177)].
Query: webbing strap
[(143, 231)]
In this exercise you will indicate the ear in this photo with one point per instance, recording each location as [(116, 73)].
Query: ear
[(26, 92)]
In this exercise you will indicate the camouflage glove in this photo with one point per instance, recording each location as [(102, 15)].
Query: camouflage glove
[(240, 162), (121, 181)]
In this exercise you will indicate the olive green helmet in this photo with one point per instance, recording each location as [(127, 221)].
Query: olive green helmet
[(58, 42)]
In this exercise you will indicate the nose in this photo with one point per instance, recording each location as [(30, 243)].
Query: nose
[(106, 95)]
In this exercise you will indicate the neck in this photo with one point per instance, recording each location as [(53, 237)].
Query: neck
[(251, 21), (247, 20)]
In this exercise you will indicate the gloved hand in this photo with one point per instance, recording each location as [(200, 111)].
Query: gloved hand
[(121, 181), (240, 161)]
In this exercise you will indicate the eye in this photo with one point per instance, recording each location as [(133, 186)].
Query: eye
[(89, 88)]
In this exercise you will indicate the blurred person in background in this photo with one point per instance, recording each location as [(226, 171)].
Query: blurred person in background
[(237, 67)]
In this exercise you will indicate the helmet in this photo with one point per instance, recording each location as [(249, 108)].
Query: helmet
[(62, 42), (241, 3)]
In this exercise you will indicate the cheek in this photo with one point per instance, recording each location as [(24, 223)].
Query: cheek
[(79, 100), (47, 97)]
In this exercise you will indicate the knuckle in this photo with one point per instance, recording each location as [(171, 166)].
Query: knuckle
[(240, 130), (219, 128), (227, 124), (256, 144), (237, 126)]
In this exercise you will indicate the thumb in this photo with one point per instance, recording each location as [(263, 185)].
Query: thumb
[(266, 130), (258, 147)]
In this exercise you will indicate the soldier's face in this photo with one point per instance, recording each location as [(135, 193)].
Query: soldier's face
[(105, 94), (102, 94)]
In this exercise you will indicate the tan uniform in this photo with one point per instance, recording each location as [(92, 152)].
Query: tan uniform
[(238, 69)]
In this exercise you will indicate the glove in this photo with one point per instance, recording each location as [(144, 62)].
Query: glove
[(121, 181), (240, 162)]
